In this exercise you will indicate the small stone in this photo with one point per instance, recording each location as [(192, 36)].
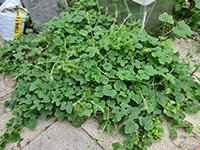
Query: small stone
[(42, 10)]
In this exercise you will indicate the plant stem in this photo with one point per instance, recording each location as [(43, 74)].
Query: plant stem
[(52, 70)]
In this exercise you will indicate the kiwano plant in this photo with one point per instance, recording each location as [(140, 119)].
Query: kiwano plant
[(85, 64)]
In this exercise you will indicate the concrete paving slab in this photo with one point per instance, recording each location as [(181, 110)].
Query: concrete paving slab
[(187, 141), (62, 136), (3, 120), (6, 97), (187, 49), (165, 143), (195, 120), (197, 74), (188, 52), (3, 110), (29, 135), (6, 86), (92, 127)]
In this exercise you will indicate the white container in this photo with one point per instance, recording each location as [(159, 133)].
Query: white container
[(12, 19), (144, 2), (12, 24), (140, 9)]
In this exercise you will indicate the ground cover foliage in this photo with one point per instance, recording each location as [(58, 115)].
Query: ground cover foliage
[(189, 11), (85, 64)]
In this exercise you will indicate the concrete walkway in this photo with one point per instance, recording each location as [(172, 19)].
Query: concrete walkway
[(55, 135)]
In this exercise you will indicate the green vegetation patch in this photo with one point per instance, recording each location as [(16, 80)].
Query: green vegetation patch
[(189, 11), (84, 64)]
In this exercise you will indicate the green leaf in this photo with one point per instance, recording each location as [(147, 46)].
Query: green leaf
[(67, 106), (137, 98), (119, 85), (15, 136), (92, 51), (99, 91), (126, 75), (83, 109), (130, 142), (178, 7), (131, 127), (142, 75), (78, 19), (110, 128), (118, 113), (108, 91), (197, 4), (173, 133), (33, 87), (182, 29), (70, 93), (45, 113), (31, 123), (138, 46), (107, 66), (79, 78), (192, 108), (104, 79), (117, 146), (29, 114), (75, 119), (60, 115), (18, 55), (146, 122), (92, 3), (122, 61), (88, 64), (148, 126), (188, 126), (134, 112), (150, 70), (104, 43), (83, 32), (166, 18), (162, 99), (170, 78), (57, 41)]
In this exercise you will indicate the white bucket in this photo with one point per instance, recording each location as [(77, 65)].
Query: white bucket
[(12, 19)]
